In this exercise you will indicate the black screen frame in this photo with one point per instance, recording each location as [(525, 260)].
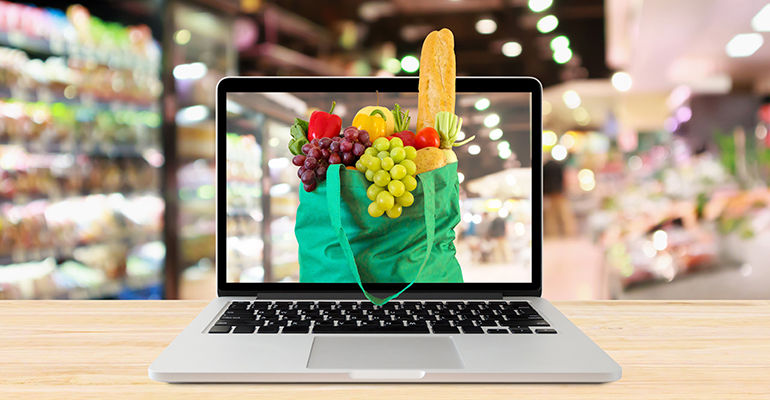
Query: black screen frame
[(384, 84)]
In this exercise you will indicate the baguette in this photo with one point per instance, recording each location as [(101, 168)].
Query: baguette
[(437, 77)]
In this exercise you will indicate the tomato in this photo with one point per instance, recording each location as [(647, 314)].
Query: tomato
[(428, 137)]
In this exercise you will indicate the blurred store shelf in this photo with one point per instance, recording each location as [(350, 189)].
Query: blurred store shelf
[(80, 152)]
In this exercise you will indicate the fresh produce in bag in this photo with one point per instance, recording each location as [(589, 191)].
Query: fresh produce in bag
[(409, 179)]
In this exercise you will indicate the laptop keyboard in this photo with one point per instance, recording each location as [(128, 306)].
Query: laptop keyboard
[(416, 317)]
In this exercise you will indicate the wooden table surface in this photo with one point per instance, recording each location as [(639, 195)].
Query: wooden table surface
[(101, 349)]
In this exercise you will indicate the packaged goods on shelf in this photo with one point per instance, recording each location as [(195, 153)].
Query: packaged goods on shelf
[(80, 155)]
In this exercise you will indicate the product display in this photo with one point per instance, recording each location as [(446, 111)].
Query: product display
[(80, 154)]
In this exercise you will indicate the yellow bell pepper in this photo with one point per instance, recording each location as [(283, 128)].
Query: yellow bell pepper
[(373, 123)]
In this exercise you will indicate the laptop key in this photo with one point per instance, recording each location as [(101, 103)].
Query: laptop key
[(244, 329), (268, 329), (369, 329), (260, 305), (296, 329), (525, 322), (239, 312), (220, 329), (545, 330), (445, 329), (472, 329), (497, 330), (520, 330)]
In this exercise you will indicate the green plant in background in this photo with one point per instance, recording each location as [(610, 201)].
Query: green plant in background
[(757, 157), (726, 145), (700, 204), (741, 226)]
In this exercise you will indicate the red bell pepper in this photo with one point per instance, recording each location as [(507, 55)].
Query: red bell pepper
[(407, 137), (323, 124)]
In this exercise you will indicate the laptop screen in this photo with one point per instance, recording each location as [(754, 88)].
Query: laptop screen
[(279, 216)]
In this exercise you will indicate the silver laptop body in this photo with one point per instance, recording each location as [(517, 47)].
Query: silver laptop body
[(553, 349)]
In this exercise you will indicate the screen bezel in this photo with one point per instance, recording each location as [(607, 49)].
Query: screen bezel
[(383, 84)]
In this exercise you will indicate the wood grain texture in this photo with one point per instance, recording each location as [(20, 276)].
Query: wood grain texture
[(668, 350)]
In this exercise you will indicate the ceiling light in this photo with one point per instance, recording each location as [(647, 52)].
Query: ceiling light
[(410, 64), (621, 81), (496, 134), (486, 26), (547, 24), (182, 36), (460, 136), (393, 66), (761, 21), (503, 146), (505, 153), (195, 70), (559, 42), (559, 152), (460, 177), (571, 99), (511, 49), (491, 120), (191, 115), (474, 149), (539, 5), (744, 45), (547, 107), (660, 240), (549, 138), (562, 55), (482, 104), (586, 176)]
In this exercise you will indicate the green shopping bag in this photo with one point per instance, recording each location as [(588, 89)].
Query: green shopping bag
[(339, 242)]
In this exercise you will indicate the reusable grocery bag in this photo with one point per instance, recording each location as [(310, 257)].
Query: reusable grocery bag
[(339, 242)]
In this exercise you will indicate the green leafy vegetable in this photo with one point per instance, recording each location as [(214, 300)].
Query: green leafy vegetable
[(298, 136), (448, 127), (402, 119)]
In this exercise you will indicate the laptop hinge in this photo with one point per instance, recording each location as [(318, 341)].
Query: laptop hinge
[(360, 296)]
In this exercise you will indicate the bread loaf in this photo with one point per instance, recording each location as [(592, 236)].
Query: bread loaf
[(437, 77)]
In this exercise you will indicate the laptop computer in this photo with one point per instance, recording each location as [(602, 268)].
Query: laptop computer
[(269, 323)]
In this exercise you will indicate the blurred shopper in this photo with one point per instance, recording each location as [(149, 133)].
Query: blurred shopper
[(496, 234), (557, 210)]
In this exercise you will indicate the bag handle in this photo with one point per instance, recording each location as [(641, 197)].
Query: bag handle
[(334, 198)]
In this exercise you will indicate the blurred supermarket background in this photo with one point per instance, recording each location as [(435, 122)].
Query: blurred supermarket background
[(656, 120)]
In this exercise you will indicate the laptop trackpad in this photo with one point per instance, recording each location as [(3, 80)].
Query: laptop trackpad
[(384, 353)]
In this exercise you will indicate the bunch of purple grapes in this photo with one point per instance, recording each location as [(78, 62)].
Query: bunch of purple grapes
[(319, 153)]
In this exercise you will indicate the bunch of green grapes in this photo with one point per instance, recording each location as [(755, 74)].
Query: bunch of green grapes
[(388, 164)]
